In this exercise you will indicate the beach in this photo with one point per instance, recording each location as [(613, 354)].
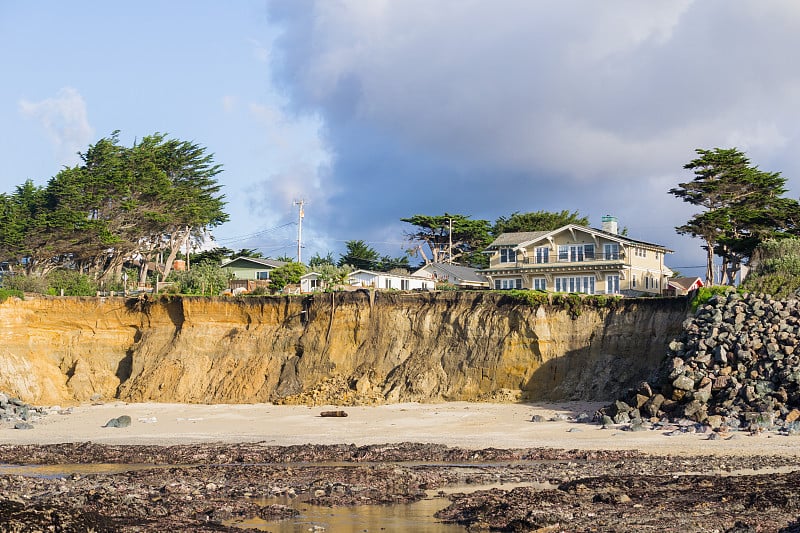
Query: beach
[(454, 424)]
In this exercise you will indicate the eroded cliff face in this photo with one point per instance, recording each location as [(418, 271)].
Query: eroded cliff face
[(384, 347)]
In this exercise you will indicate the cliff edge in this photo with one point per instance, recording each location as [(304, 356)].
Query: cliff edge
[(342, 348)]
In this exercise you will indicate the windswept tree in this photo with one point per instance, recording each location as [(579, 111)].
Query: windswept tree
[(119, 203), (537, 221), (360, 255), (449, 238), (743, 206)]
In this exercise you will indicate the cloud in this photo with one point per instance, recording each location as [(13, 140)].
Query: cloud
[(65, 120), (229, 103), (486, 108)]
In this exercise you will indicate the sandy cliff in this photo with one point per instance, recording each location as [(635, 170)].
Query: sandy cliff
[(350, 347)]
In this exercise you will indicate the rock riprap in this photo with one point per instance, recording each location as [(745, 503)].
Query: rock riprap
[(18, 414), (736, 364)]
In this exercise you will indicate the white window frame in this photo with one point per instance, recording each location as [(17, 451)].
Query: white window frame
[(508, 255), (262, 275), (611, 251), (612, 284), (405, 284), (575, 253), (540, 284), (506, 284), (542, 254), (577, 284), (387, 282)]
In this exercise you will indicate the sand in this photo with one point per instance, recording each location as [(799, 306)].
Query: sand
[(457, 424)]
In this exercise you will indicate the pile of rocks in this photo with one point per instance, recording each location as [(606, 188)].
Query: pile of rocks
[(18, 414), (736, 364)]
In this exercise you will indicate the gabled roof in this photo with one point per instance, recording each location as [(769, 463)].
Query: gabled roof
[(685, 283), (457, 271), (371, 272), (515, 238), (258, 261), (526, 238)]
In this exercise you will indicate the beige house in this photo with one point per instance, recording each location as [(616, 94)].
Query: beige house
[(578, 259)]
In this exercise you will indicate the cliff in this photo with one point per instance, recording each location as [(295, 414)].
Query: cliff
[(357, 347)]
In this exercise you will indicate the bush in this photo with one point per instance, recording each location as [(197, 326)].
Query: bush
[(72, 282), (24, 283), (205, 277), (704, 294), (5, 294), (776, 268)]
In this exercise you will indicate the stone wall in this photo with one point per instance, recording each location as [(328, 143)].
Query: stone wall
[(358, 347)]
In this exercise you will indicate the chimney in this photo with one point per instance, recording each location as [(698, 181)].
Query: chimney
[(610, 224)]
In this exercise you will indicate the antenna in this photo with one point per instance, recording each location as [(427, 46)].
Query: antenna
[(301, 213)]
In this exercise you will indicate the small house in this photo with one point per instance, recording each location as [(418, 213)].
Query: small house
[(457, 275)]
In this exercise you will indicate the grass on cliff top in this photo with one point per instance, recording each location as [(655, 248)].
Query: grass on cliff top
[(573, 303), (5, 294)]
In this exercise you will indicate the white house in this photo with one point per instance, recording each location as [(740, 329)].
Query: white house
[(312, 281), (460, 276)]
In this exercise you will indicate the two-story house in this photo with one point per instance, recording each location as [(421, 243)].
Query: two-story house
[(580, 259)]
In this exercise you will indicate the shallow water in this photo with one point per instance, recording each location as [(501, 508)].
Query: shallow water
[(417, 517)]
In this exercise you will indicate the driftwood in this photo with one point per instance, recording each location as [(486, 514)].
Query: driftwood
[(335, 414)]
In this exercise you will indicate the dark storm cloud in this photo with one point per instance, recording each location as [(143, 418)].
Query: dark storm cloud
[(486, 108)]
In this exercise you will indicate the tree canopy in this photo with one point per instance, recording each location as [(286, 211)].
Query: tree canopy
[(118, 204), (742, 206), (469, 238), (537, 221)]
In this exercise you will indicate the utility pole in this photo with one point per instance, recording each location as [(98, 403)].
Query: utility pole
[(450, 238), (300, 216)]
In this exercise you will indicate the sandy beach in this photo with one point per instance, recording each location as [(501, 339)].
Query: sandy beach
[(457, 424)]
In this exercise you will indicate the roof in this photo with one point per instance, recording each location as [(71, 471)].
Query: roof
[(371, 272), (528, 237), (685, 283), (259, 261), (457, 271), (515, 238)]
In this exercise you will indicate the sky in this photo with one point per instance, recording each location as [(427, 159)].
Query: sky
[(374, 110)]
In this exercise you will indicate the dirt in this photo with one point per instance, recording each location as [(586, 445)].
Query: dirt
[(214, 487)]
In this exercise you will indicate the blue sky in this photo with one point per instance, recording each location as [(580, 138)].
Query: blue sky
[(374, 110)]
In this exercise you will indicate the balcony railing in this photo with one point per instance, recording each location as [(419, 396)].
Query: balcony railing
[(554, 261)]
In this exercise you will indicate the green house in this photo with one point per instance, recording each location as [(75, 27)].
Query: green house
[(251, 268)]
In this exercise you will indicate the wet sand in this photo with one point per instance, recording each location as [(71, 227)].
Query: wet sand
[(456, 424)]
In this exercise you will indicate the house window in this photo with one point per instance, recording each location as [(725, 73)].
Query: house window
[(313, 283), (388, 283), (542, 254), (647, 282), (583, 284), (264, 274), (574, 253), (612, 284), (505, 284), (539, 284), (508, 255), (611, 251), (633, 281), (405, 284)]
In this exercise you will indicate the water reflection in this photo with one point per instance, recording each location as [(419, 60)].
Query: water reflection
[(416, 517)]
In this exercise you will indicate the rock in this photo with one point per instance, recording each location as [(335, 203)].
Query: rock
[(119, 422), (538, 418), (683, 382), (23, 425), (792, 415)]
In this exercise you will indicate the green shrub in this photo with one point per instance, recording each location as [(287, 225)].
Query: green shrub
[(776, 268), (5, 294), (206, 277), (24, 283), (531, 298), (704, 294), (72, 282)]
